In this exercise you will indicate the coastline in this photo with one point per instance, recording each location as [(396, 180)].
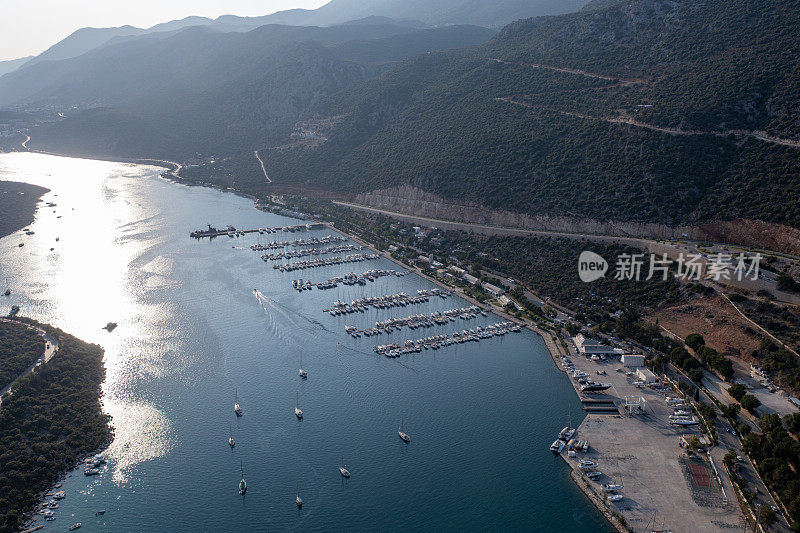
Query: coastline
[(555, 350), (551, 343)]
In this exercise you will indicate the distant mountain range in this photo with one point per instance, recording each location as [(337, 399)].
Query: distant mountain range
[(640, 111), (412, 13)]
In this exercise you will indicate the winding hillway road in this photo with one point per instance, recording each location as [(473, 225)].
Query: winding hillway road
[(757, 135), (263, 169), (577, 72), (51, 348), (25, 142)]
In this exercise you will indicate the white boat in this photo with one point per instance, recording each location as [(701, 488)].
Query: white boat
[(73, 527), (557, 446), (297, 499), (236, 407), (242, 482), (684, 421), (297, 412), (303, 374), (588, 464), (60, 495), (342, 470), (402, 434), (231, 442), (615, 497), (610, 487), (594, 475)]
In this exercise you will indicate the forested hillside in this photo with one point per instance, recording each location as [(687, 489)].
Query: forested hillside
[(652, 110), (205, 92)]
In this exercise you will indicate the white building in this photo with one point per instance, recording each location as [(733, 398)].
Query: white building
[(586, 345), (646, 375), (632, 360), (471, 279), (496, 291)]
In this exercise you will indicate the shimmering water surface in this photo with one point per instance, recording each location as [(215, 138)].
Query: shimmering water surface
[(191, 334)]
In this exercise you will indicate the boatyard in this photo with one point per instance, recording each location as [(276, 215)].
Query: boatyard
[(634, 434)]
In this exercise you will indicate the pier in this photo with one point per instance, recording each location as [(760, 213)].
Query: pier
[(316, 263), (276, 245), (416, 321), (212, 232), (388, 301), (351, 278), (292, 254), (440, 341)]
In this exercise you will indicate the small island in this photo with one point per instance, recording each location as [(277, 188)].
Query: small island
[(52, 419)]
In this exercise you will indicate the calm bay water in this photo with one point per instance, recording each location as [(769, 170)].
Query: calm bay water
[(191, 334)]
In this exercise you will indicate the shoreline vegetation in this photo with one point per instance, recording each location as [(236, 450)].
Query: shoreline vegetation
[(52, 421), (18, 204)]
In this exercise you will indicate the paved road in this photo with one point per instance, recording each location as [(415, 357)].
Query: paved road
[(51, 348)]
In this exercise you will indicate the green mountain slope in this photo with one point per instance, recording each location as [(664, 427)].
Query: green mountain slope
[(205, 92), (661, 111)]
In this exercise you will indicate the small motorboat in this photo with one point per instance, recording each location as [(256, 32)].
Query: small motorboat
[(73, 527), (101, 512)]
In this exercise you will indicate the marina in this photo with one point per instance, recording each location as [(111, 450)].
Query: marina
[(231, 231), (317, 263), (292, 254), (440, 341), (415, 321), (350, 278), (277, 245), (175, 375), (388, 301)]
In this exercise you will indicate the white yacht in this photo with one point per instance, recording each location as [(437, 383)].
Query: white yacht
[(297, 412), (588, 464), (610, 487), (342, 470), (236, 407), (402, 434), (615, 497)]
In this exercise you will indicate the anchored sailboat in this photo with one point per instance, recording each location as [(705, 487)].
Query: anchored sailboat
[(297, 499), (242, 482), (303, 373), (231, 442), (236, 407), (297, 412), (402, 434), (342, 470)]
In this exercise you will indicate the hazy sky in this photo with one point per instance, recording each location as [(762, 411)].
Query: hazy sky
[(28, 27)]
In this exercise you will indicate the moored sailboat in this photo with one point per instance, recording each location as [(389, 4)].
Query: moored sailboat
[(242, 482)]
